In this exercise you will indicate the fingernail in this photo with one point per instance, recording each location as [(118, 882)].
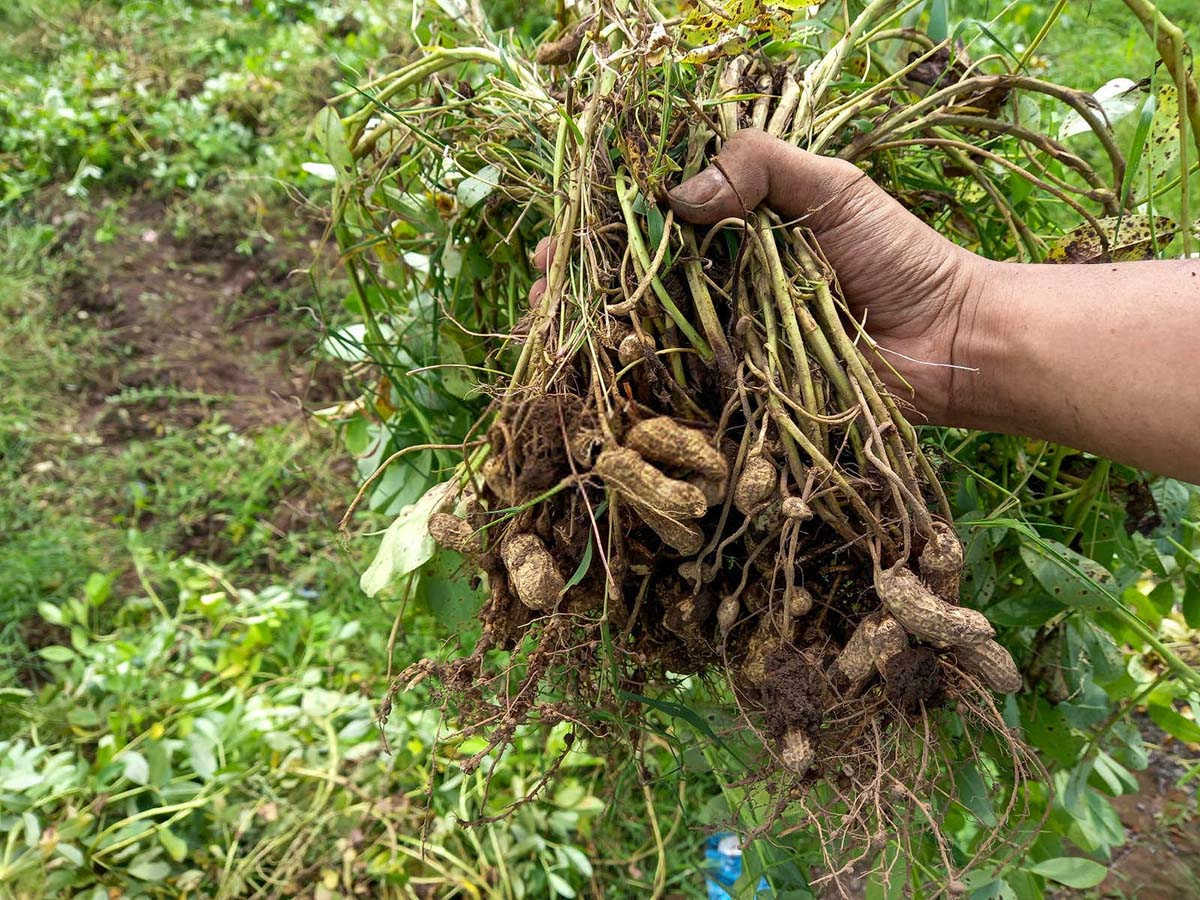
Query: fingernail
[(699, 189)]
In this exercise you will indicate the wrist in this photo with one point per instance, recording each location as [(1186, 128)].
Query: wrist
[(982, 346)]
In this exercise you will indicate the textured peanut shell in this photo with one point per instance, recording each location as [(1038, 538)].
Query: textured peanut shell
[(727, 613), (799, 601), (795, 508), (993, 664), (453, 533), (856, 660), (941, 562), (663, 440), (927, 617), (631, 476), (796, 751), (531, 571), (495, 476), (679, 535), (713, 490), (755, 484), (762, 643), (886, 640), (633, 348)]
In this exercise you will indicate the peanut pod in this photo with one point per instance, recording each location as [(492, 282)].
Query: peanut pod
[(635, 479), (531, 571), (927, 617), (887, 639), (663, 440), (942, 562), (453, 533), (755, 484), (992, 663), (797, 751), (679, 535), (856, 660)]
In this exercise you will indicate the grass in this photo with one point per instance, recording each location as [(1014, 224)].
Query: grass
[(188, 670)]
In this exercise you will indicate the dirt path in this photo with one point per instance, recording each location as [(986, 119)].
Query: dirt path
[(194, 329)]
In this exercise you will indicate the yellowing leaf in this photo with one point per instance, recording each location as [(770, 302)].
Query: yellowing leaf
[(1162, 146), (1121, 239)]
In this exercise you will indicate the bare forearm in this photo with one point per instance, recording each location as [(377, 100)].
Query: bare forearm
[(1104, 358)]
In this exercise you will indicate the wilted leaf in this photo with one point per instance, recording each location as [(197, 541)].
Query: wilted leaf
[(1162, 146), (1121, 239), (406, 544)]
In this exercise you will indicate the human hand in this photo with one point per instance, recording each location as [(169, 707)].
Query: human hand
[(913, 286)]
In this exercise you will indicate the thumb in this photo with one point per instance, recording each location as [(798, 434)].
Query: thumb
[(753, 167)]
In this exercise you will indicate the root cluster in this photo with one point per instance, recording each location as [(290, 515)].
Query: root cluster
[(694, 467)]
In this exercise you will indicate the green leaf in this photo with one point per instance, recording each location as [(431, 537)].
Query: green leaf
[(33, 829), (136, 768), (581, 570), (51, 613), (1191, 600), (1073, 871), (939, 15), (57, 653), (1047, 729), (70, 853), (446, 587), (559, 885), (475, 188), (319, 703), (579, 860), (406, 545), (332, 138), (201, 756), (98, 587), (1067, 576), (1163, 597), (175, 846), (1174, 724), (456, 378), (1145, 121), (148, 870)]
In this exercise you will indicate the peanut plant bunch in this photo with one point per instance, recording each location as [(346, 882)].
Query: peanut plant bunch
[(688, 462)]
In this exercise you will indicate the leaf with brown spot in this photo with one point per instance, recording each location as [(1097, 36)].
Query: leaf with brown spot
[(1162, 145), (1126, 238)]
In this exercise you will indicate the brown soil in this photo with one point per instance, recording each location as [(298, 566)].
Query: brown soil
[(1161, 858), (196, 329)]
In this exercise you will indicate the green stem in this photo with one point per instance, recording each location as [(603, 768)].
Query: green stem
[(637, 244)]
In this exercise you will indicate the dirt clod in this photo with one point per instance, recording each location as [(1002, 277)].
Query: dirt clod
[(913, 678)]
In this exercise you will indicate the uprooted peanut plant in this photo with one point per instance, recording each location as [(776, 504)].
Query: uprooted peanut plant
[(689, 463)]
